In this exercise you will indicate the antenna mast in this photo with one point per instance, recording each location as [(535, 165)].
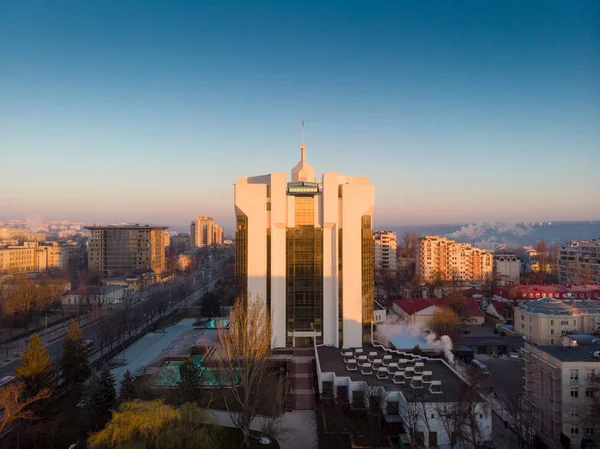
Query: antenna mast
[(302, 131)]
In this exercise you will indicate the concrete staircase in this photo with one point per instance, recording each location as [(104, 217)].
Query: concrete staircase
[(301, 390)]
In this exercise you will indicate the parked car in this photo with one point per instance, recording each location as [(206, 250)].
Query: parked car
[(481, 367), (464, 331)]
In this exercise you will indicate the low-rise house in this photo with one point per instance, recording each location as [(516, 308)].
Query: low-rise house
[(420, 311), (503, 311)]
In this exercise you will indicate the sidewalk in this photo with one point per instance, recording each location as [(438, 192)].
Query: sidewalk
[(303, 433)]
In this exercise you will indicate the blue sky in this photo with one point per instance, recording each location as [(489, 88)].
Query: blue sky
[(149, 111)]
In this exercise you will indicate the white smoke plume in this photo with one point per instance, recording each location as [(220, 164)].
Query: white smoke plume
[(394, 326), (488, 235), (34, 224)]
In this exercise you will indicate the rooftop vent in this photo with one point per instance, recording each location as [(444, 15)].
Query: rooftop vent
[(436, 387)]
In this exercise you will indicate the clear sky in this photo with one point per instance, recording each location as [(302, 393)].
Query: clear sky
[(148, 111)]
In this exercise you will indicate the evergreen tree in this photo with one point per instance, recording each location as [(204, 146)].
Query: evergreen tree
[(36, 371), (98, 397), (190, 378), (74, 362), (126, 390)]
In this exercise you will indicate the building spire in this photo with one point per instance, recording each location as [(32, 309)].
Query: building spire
[(302, 131)]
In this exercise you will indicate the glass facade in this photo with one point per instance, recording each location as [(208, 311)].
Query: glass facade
[(340, 289), (368, 278), (269, 270), (241, 257), (304, 271)]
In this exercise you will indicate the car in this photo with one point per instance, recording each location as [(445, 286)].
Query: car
[(464, 331), (481, 367)]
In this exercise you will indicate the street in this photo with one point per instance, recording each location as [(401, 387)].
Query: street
[(89, 332)]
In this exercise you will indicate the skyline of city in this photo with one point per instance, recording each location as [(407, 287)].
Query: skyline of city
[(155, 111)]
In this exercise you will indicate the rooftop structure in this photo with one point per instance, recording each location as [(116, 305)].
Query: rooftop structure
[(405, 378)]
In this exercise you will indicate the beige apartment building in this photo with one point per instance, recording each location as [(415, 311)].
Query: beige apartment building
[(218, 235), (444, 259), (544, 321), (18, 259), (202, 232), (115, 250), (31, 256), (559, 393), (579, 262), (385, 252)]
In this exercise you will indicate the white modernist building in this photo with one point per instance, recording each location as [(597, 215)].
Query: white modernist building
[(306, 248), (507, 269)]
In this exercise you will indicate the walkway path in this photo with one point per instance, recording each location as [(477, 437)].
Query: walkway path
[(301, 423)]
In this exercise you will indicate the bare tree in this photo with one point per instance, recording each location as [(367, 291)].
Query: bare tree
[(521, 420), (445, 321), (15, 406), (415, 418), (246, 368), (462, 419), (21, 300), (375, 397), (410, 242)]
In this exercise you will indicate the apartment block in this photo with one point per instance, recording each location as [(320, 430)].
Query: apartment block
[(507, 269), (306, 248), (115, 250), (579, 262), (385, 252), (218, 235), (18, 259), (544, 321), (444, 259), (559, 391), (202, 232)]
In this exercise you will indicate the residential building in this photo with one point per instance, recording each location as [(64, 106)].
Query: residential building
[(558, 391), (21, 234), (180, 242), (417, 391), (444, 259), (507, 269), (306, 248), (385, 252), (579, 262), (218, 235), (114, 250), (545, 320), (18, 259), (202, 232), (420, 311)]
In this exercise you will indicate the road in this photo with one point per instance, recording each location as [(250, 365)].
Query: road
[(54, 348)]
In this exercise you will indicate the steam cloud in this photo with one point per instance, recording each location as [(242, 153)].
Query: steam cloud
[(394, 327), (34, 224), (487, 235)]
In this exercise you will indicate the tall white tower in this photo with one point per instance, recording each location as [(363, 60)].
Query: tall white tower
[(306, 248)]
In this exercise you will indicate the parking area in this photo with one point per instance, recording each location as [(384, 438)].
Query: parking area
[(506, 375)]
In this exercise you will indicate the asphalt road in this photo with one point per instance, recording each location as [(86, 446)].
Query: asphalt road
[(55, 348)]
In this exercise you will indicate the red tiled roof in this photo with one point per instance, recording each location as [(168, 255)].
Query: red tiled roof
[(413, 305), (473, 308), (503, 308)]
